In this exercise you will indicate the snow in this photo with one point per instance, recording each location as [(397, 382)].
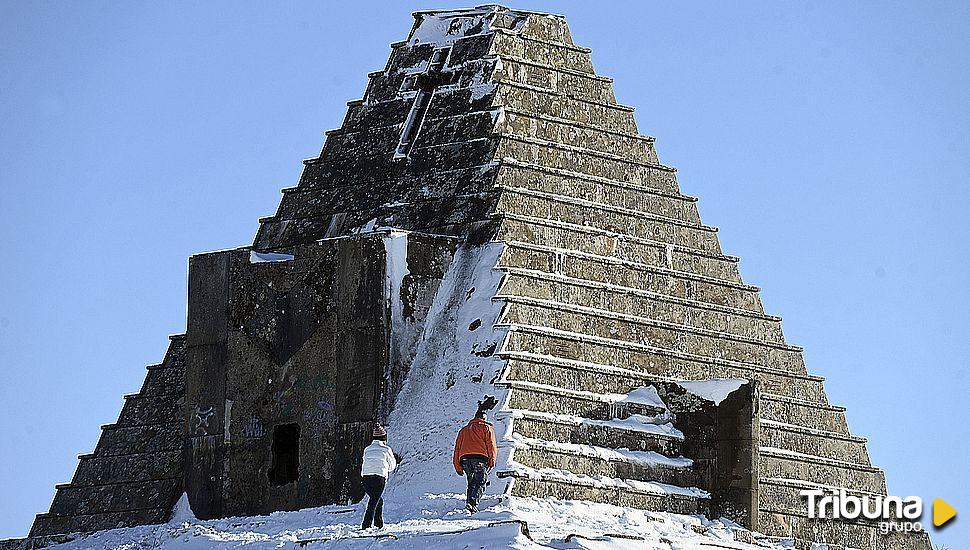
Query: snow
[(442, 28), (646, 458), (639, 396), (658, 425), (182, 512), (265, 257), (452, 370), (438, 522), (644, 396), (715, 390), (367, 227), (403, 337), (604, 482), (641, 423), (542, 357)]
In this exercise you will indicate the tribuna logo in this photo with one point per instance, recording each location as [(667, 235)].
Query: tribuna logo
[(894, 513)]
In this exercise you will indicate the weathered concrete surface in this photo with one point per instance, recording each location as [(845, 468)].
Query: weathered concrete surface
[(721, 439), (296, 351)]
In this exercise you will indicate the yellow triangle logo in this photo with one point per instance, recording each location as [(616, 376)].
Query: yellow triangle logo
[(942, 512)]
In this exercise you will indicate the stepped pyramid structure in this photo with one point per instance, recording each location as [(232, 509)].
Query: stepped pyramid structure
[(487, 213)]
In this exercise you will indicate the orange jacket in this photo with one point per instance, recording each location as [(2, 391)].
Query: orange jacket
[(476, 438)]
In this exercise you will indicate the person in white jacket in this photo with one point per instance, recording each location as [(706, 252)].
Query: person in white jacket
[(378, 462)]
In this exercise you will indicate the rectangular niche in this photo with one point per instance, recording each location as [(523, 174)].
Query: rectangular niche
[(286, 454)]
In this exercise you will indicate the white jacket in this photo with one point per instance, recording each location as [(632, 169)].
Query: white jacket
[(378, 460)]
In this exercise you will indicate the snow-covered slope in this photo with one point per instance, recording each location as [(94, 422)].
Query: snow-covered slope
[(454, 367)]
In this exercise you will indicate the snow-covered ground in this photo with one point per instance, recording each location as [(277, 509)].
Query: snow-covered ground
[(438, 521)]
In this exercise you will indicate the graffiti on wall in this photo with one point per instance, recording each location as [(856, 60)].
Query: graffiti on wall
[(200, 420), (323, 415), (253, 429)]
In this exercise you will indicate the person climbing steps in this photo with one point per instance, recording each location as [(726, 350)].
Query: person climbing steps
[(475, 453)]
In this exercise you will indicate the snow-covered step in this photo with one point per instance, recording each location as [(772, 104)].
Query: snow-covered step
[(597, 406), (649, 304), (420, 533), (598, 377), (638, 433), (569, 373), (561, 484), (590, 460)]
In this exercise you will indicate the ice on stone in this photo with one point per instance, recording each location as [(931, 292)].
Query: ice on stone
[(715, 390)]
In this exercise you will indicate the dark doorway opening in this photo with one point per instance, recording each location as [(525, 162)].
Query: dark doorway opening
[(286, 454)]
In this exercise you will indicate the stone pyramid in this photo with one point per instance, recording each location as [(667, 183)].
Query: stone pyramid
[(488, 126)]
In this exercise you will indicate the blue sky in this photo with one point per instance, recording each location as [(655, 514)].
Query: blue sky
[(827, 140)]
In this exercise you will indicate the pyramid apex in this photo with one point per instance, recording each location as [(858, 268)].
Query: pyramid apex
[(484, 9), (444, 26)]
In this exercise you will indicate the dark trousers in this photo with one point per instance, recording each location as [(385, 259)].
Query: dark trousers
[(476, 473), (374, 487)]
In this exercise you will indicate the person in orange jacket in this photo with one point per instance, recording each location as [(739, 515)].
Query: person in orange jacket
[(475, 453)]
